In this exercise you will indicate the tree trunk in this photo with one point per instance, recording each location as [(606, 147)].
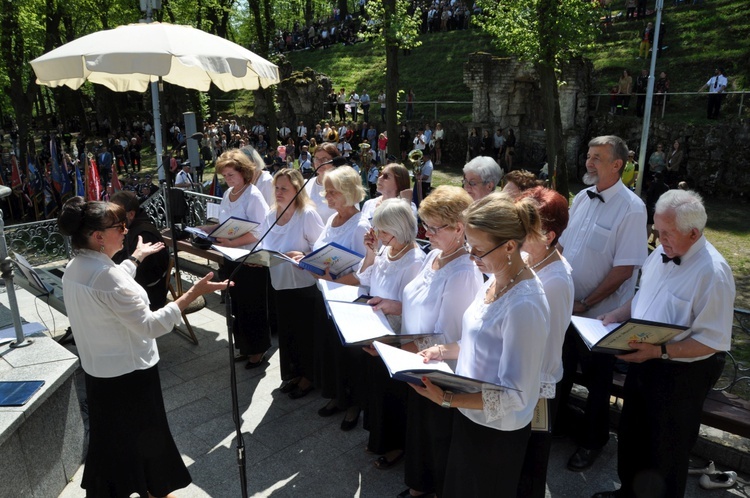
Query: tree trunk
[(391, 77), (556, 157), (343, 6)]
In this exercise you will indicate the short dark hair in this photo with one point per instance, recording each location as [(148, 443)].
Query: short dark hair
[(79, 219)]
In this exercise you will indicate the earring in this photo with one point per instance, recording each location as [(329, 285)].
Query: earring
[(547, 247), (509, 261), (101, 248)]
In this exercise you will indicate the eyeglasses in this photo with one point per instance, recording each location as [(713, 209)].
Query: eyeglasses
[(472, 184), (432, 230), (384, 176), (470, 250), (121, 226)]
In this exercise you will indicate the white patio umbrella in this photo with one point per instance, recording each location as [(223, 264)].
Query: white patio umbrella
[(129, 58)]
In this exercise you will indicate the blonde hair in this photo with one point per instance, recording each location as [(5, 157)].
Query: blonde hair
[(445, 204), (345, 180), (295, 178), (501, 218), (237, 160)]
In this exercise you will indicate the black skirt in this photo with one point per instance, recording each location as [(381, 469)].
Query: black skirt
[(384, 403), (294, 308), (131, 449), (249, 294)]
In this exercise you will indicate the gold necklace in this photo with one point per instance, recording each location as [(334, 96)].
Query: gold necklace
[(512, 280)]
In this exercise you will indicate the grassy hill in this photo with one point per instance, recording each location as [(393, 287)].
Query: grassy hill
[(698, 39)]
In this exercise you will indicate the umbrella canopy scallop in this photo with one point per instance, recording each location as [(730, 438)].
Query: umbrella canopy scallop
[(128, 58)]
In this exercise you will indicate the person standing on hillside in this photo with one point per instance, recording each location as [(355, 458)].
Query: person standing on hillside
[(641, 86), (647, 39), (716, 85), (364, 101), (381, 101)]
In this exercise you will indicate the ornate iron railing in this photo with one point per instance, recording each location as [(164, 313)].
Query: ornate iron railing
[(40, 242)]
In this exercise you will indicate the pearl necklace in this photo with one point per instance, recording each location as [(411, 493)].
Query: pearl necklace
[(394, 258), (512, 280), (535, 265), (443, 258), (236, 194)]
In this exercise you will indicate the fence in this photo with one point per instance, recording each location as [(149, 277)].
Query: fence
[(733, 103), (40, 242)]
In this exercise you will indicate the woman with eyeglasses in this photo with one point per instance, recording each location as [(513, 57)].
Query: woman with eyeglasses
[(297, 228), (481, 175), (554, 272), (392, 180), (502, 330), (335, 367), (434, 301), (392, 260), (131, 449)]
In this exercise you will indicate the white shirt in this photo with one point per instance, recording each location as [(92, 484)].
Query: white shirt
[(114, 328), (500, 344), (387, 278), (350, 235), (265, 185), (301, 130), (558, 287), (250, 206), (315, 192), (699, 293), (284, 131), (427, 171), (183, 177), (298, 234), (435, 300), (717, 84), (369, 207), (601, 236)]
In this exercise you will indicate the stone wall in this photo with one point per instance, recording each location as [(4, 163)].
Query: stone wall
[(506, 93), (717, 154), (301, 96)]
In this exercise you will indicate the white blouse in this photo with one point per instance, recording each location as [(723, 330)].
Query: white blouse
[(315, 192), (250, 206), (298, 234), (265, 185), (350, 235), (500, 344), (387, 278), (114, 328), (558, 287), (435, 300)]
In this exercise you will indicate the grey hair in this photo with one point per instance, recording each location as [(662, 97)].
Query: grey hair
[(487, 169), (619, 147), (396, 217), (254, 156), (688, 208)]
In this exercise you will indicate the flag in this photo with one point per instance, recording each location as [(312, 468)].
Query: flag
[(60, 179), (80, 189), (15, 174), (215, 188), (35, 179), (93, 184), (116, 185), (67, 184)]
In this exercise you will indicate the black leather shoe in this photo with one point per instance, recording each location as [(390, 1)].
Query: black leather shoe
[(255, 364), (300, 393), (582, 459), (288, 387), (348, 424), (327, 410)]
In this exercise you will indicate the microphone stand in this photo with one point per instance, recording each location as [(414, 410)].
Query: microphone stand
[(241, 457)]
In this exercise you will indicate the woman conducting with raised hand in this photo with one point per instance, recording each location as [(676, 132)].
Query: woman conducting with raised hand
[(252, 336), (554, 272), (392, 260), (131, 449), (501, 333), (392, 180), (434, 301), (294, 234)]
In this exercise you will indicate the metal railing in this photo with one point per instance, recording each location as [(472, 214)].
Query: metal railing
[(40, 242), (697, 99)]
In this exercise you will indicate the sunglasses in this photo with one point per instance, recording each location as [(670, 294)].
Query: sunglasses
[(121, 226), (470, 250), (384, 176)]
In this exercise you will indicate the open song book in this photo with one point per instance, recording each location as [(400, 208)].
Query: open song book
[(231, 229), (614, 337)]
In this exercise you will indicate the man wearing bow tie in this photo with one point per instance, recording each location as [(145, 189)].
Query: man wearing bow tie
[(605, 244), (685, 281)]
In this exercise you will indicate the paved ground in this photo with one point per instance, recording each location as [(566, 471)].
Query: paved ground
[(291, 451)]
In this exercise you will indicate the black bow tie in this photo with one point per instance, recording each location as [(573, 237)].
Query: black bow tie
[(594, 195), (666, 259)]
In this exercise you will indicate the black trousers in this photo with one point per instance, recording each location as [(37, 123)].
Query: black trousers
[(714, 105), (660, 422)]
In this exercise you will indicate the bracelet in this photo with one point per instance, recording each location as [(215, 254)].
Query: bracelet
[(440, 350), (135, 260), (447, 399)]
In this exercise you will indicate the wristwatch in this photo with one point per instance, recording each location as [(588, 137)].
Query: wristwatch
[(664, 354), (447, 399), (135, 260)]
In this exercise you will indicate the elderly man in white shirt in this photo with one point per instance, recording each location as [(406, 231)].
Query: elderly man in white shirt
[(605, 244), (685, 281)]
